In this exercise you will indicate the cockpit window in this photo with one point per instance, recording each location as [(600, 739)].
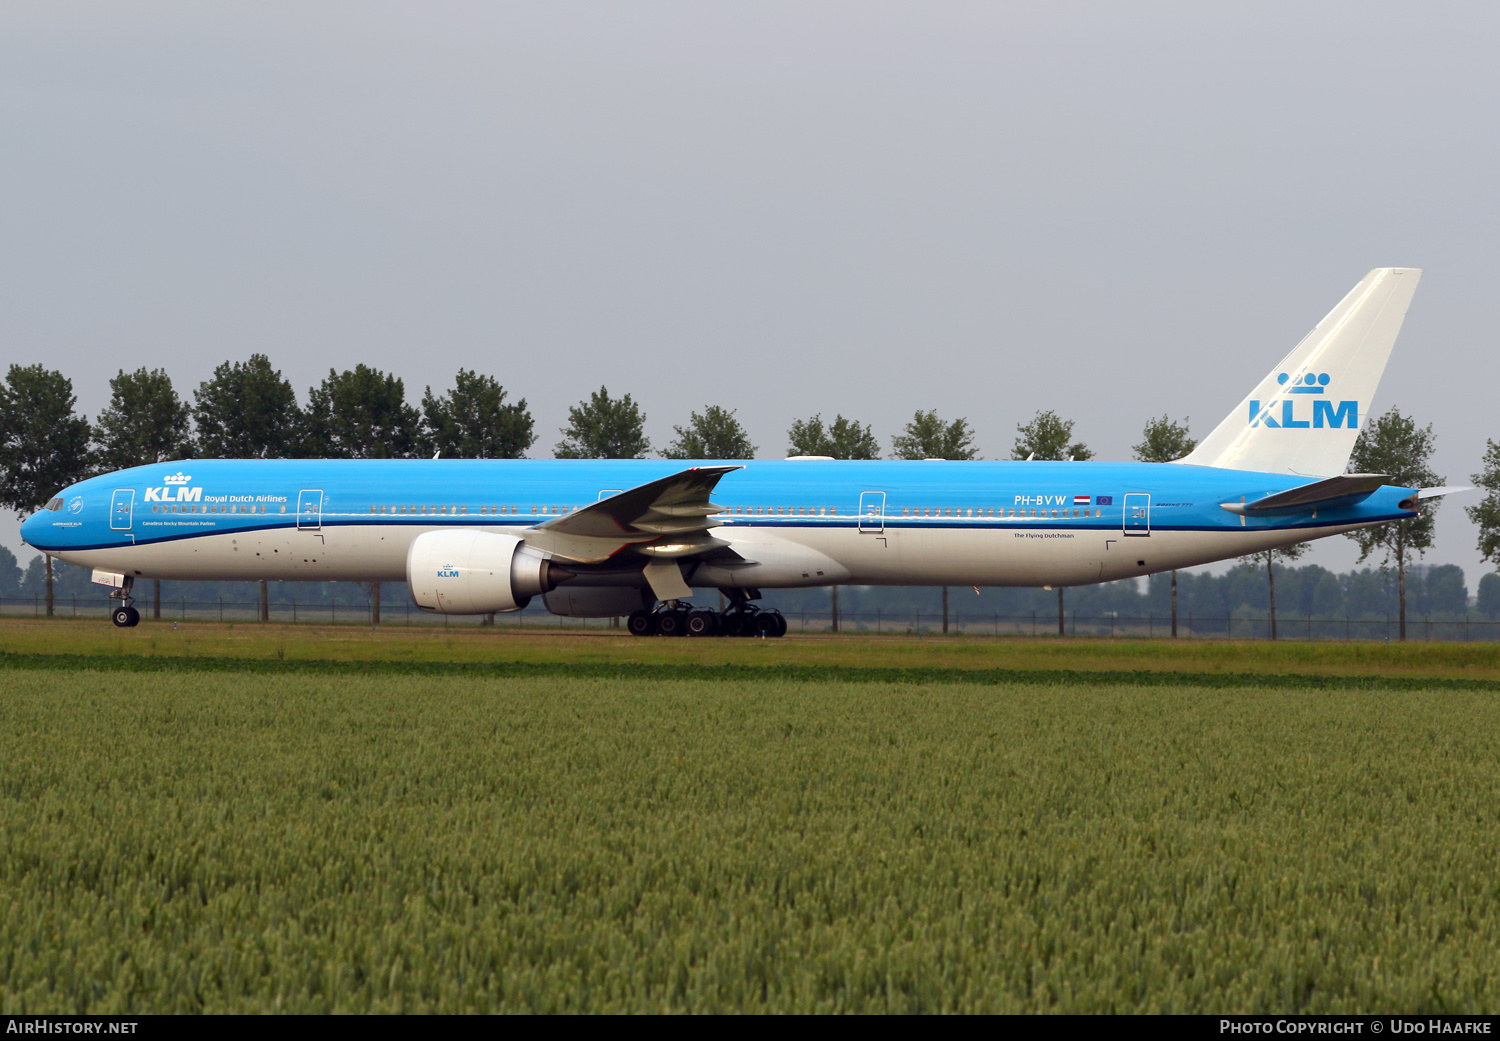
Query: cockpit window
[(54, 504)]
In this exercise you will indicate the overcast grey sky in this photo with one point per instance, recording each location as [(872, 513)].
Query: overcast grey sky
[(1111, 210)]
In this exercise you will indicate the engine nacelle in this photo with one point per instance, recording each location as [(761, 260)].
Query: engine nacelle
[(466, 571)]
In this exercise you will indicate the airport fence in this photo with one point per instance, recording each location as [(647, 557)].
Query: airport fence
[(974, 623)]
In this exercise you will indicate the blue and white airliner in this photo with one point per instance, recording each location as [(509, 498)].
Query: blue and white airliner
[(600, 538)]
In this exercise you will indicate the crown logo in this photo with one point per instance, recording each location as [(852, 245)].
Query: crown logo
[(1307, 383), (178, 478)]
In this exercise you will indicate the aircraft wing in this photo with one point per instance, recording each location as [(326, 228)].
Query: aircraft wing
[(665, 518)]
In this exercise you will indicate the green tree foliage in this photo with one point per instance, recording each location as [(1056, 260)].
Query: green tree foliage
[(145, 422), (10, 573), (360, 413), (44, 446), (1393, 444), (712, 434), (928, 437), (604, 428), (1047, 437), (1486, 513), (1488, 602), (247, 410), (474, 421), (843, 439), (1163, 441)]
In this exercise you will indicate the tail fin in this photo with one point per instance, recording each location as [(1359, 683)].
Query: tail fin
[(1304, 416)]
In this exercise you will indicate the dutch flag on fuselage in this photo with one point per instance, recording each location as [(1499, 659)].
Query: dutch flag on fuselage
[(1080, 500)]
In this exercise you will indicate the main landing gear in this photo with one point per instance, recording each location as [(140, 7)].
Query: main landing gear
[(124, 614), (678, 619)]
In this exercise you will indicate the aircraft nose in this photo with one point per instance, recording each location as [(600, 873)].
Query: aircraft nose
[(37, 531), (31, 527)]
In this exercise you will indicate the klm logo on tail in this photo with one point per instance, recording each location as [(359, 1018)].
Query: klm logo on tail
[(1325, 413)]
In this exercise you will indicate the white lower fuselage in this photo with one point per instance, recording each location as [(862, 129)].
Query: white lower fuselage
[(990, 555)]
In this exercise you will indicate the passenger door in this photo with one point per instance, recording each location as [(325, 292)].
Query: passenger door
[(122, 509), (872, 512), (1138, 514), (310, 509)]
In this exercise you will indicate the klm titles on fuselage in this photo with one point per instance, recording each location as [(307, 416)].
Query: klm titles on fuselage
[(175, 490), (1324, 413)]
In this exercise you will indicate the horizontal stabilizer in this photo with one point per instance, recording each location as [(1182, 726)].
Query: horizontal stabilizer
[(1433, 493), (1303, 418), (1344, 490)]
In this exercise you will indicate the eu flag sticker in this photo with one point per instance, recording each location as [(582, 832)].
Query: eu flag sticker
[(1104, 500)]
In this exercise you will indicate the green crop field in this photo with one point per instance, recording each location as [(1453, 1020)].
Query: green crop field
[(194, 829)]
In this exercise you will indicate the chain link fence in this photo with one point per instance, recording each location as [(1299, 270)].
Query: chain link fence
[(1241, 626)]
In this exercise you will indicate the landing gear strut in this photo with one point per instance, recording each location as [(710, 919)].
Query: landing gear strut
[(675, 618), (124, 614)]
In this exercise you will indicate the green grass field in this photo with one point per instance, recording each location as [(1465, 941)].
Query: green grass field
[(304, 822)]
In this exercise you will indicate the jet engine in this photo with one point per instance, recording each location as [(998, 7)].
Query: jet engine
[(465, 571)]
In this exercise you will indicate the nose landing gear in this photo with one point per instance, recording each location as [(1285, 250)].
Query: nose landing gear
[(124, 615)]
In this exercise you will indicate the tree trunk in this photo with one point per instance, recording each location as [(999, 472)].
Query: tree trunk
[(265, 602), (1061, 625), (156, 598), (1174, 605), (945, 610), (49, 585), (1271, 577), (835, 607), (375, 606), (1400, 585)]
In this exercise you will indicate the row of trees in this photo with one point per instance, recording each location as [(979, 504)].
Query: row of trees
[(249, 409)]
